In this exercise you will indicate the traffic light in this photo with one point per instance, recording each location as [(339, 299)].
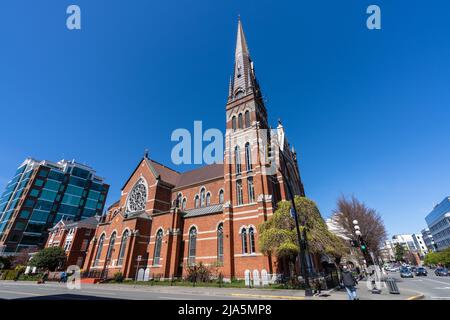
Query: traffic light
[(363, 247)]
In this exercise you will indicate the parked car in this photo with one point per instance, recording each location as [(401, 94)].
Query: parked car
[(394, 269), (441, 272), (405, 272), (421, 271), (413, 269)]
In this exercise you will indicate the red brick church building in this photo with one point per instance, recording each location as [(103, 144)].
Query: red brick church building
[(166, 220)]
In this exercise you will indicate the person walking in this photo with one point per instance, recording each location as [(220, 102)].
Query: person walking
[(349, 282)]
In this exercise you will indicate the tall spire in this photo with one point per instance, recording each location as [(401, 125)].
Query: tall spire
[(243, 81)]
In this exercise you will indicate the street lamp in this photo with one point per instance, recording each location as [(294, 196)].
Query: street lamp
[(362, 244)]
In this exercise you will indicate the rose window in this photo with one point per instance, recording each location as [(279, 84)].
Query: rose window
[(137, 198)]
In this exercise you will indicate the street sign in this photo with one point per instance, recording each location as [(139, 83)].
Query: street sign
[(139, 258)]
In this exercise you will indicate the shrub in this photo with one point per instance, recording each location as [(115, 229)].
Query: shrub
[(20, 269), (30, 277), (199, 273), (10, 275), (118, 277)]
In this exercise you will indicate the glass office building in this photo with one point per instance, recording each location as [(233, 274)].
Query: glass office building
[(438, 221), (40, 194)]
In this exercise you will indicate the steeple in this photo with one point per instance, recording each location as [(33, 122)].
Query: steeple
[(243, 81)]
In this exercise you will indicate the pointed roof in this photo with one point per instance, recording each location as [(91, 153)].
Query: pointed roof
[(160, 171), (241, 42), (88, 223), (243, 80)]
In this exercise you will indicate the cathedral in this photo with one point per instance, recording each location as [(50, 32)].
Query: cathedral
[(166, 221)]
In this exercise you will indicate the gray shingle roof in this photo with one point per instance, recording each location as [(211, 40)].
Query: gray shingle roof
[(137, 214), (90, 223), (203, 211), (205, 173)]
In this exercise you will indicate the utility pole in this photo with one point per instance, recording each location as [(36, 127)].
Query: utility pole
[(301, 237)]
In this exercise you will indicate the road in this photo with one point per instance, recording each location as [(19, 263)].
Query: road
[(57, 291), (432, 286)]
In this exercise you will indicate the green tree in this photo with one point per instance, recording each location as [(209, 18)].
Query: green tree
[(432, 258), (399, 252), (441, 258), (49, 258), (278, 236)]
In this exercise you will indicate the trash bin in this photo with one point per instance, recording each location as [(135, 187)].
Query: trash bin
[(392, 285)]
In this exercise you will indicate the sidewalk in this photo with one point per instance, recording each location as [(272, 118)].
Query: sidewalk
[(283, 294), (365, 294)]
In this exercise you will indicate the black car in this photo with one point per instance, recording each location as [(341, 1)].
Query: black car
[(441, 272), (421, 272)]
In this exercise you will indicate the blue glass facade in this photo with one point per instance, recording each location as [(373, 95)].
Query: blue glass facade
[(42, 193), (438, 221)]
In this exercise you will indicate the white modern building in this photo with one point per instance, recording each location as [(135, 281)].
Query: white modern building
[(421, 247), (406, 240), (387, 251), (428, 239)]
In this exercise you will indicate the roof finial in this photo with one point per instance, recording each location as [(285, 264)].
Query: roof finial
[(146, 153)]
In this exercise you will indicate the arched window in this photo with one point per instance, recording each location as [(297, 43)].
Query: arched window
[(192, 245), (158, 244), (233, 123), (99, 250), (202, 197), (240, 121), (112, 241), (196, 201), (251, 234), (251, 190), (123, 246), (244, 241), (220, 243), (248, 157), (237, 159), (221, 196), (183, 204), (239, 195), (208, 199), (247, 119)]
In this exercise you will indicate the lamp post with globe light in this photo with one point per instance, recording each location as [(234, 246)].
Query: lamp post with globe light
[(362, 244)]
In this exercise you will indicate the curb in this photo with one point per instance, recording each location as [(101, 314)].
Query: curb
[(416, 297), (262, 296)]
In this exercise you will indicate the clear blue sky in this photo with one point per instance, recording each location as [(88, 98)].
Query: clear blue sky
[(368, 111)]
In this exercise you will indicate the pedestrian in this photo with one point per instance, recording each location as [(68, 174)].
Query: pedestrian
[(63, 277), (349, 282)]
